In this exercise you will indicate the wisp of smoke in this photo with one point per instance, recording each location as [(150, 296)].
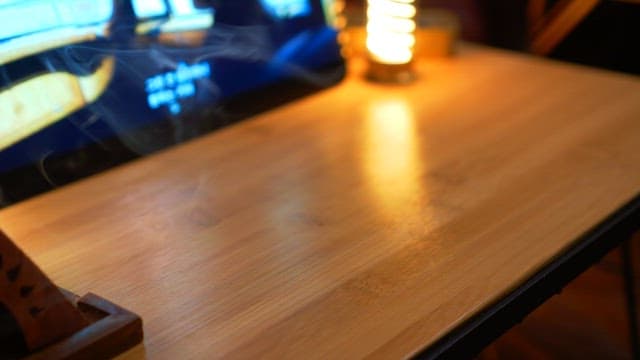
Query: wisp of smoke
[(136, 62)]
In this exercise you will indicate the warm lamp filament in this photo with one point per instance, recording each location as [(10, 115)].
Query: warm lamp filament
[(391, 29)]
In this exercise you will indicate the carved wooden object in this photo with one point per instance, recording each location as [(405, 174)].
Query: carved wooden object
[(53, 323)]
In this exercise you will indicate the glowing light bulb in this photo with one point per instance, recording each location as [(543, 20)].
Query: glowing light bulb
[(391, 30)]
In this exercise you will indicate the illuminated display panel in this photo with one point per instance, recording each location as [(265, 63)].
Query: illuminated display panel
[(81, 73)]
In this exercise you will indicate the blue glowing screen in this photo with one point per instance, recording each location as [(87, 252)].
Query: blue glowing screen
[(76, 72)]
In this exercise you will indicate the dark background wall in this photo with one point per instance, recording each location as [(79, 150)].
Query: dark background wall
[(609, 37)]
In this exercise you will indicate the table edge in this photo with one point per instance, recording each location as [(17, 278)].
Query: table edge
[(484, 327)]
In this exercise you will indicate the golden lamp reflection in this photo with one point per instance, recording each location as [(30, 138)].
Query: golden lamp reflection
[(392, 163)]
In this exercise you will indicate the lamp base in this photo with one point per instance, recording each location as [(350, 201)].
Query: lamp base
[(390, 73)]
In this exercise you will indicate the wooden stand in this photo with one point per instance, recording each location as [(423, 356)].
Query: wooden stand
[(42, 321), (111, 331)]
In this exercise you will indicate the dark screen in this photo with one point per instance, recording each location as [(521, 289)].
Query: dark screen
[(86, 84)]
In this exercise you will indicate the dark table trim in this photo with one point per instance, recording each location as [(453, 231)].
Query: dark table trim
[(468, 339)]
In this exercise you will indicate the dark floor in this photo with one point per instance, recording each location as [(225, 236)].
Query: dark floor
[(588, 320)]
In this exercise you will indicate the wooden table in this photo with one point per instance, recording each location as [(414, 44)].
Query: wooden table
[(366, 220)]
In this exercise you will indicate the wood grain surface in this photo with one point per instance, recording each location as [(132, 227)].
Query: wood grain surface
[(366, 220)]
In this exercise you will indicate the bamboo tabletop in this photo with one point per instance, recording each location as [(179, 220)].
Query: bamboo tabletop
[(364, 220)]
